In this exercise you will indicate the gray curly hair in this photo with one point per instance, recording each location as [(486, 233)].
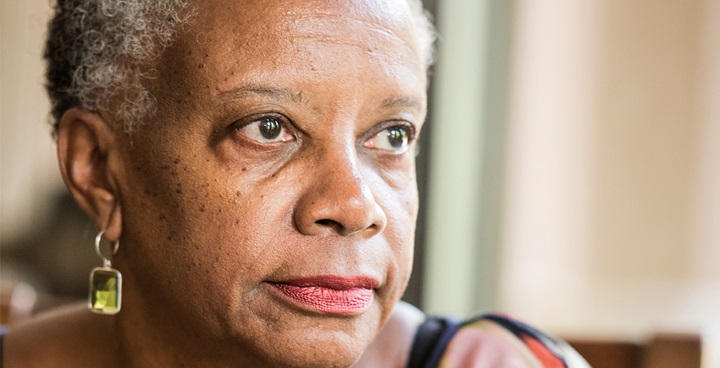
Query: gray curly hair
[(98, 52)]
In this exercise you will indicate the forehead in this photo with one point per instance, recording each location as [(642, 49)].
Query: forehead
[(339, 54), (279, 33), (307, 18)]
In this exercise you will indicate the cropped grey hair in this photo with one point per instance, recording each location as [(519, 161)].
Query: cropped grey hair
[(425, 31), (98, 52)]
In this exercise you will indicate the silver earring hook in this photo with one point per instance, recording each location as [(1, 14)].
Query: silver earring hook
[(115, 246)]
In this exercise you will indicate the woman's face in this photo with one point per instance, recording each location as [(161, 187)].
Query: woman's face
[(271, 201)]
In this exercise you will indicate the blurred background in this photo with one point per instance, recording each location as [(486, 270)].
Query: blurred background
[(570, 175)]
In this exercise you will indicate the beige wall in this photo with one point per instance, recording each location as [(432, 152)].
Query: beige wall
[(455, 163), (28, 171), (613, 197)]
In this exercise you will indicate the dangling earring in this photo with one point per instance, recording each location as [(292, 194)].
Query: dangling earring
[(105, 283)]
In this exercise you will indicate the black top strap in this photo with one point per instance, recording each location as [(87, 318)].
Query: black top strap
[(2, 348), (431, 340)]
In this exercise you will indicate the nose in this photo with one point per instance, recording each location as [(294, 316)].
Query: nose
[(337, 200)]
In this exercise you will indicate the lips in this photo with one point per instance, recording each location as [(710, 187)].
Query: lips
[(329, 294)]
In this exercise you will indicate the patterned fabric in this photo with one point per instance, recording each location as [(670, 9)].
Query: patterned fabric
[(489, 341)]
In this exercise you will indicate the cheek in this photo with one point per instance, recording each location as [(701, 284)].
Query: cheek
[(396, 191), (210, 214), (178, 213), (400, 203), (194, 225)]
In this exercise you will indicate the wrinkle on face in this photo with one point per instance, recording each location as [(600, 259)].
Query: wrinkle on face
[(365, 37), (288, 26), (338, 74)]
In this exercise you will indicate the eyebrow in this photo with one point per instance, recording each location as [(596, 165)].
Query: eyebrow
[(282, 94), (401, 102), (297, 97)]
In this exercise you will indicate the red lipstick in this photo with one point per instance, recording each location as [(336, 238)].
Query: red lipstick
[(330, 294)]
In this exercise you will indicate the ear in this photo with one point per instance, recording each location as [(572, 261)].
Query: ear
[(85, 144)]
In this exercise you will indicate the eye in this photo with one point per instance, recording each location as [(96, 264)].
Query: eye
[(266, 130), (394, 139)]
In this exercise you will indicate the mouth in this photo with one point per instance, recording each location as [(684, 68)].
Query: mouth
[(329, 294)]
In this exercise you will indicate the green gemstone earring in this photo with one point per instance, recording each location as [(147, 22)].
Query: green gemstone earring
[(105, 283)]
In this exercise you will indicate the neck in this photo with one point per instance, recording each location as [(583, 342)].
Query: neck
[(392, 346)]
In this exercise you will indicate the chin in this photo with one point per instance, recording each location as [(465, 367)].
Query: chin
[(315, 352), (315, 362), (300, 340)]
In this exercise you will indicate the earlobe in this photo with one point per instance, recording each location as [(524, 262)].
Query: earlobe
[(86, 144)]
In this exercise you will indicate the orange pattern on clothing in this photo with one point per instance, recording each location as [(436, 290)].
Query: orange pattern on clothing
[(541, 352)]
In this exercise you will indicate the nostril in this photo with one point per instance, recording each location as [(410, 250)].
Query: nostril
[(336, 226), (326, 222)]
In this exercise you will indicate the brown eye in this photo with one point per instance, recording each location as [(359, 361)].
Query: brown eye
[(394, 139), (266, 130), (270, 128), (397, 137)]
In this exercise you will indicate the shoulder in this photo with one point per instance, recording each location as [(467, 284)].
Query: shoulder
[(494, 340), (51, 339)]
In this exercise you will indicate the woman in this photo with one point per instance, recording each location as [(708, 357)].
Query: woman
[(252, 165)]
